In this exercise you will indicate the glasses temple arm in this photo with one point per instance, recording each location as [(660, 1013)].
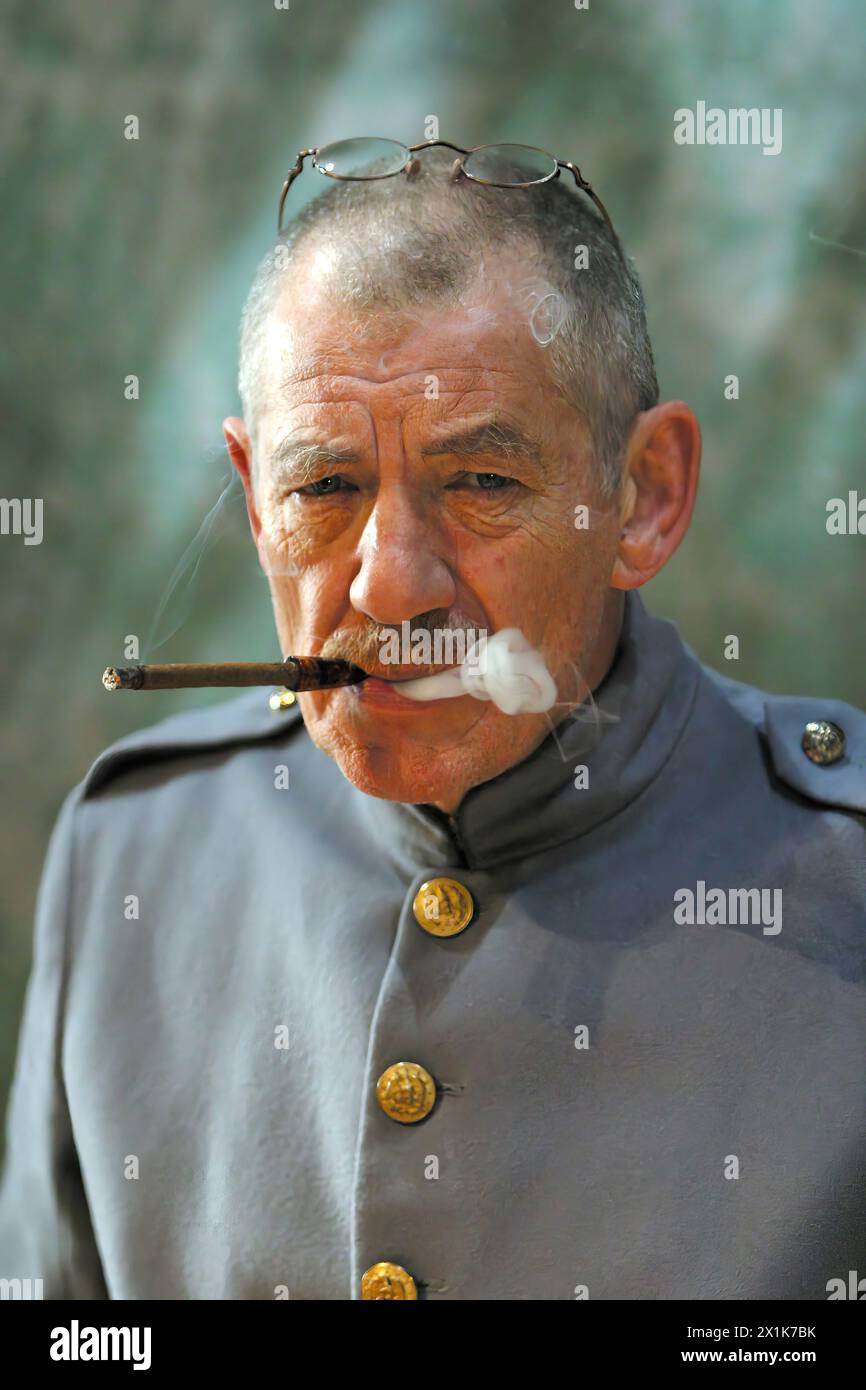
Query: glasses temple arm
[(590, 192), (290, 179)]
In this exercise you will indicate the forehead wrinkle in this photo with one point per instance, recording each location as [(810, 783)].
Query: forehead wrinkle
[(311, 370)]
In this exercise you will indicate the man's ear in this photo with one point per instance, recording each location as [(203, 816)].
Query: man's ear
[(241, 454), (658, 492)]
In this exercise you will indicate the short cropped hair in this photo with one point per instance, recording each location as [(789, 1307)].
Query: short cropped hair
[(412, 239)]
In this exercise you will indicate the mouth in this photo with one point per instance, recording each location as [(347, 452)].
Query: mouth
[(383, 691)]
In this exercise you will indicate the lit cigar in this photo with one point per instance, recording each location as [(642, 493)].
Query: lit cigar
[(295, 673)]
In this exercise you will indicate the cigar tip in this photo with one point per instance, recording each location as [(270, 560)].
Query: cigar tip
[(110, 678)]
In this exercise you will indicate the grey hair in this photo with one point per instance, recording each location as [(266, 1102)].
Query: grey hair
[(408, 240)]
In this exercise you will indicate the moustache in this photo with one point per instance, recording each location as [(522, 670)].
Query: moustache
[(362, 645)]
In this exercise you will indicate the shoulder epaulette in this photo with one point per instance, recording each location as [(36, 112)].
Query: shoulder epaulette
[(247, 719), (815, 745), (818, 747)]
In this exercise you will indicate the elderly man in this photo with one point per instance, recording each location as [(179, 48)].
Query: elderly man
[(454, 997)]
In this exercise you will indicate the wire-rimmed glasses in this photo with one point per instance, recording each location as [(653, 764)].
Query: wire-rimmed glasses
[(496, 166)]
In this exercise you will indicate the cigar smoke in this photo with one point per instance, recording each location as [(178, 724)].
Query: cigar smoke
[(503, 668), (175, 604)]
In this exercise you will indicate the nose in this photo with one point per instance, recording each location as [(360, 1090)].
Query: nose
[(403, 571)]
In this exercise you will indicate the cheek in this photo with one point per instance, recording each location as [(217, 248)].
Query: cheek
[(310, 606), (536, 565), (287, 600), (295, 534), (548, 581), (281, 552)]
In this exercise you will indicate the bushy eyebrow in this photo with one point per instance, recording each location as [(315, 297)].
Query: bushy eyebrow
[(302, 460), (494, 436)]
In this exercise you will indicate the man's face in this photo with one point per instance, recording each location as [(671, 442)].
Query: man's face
[(426, 470)]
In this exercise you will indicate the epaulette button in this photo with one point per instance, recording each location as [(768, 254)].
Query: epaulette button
[(823, 742)]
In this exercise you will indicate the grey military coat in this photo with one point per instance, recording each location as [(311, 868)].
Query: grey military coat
[(649, 1081)]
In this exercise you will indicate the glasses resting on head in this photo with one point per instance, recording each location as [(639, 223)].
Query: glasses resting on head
[(496, 166)]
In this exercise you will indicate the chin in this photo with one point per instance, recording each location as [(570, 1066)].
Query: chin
[(401, 768), (401, 777)]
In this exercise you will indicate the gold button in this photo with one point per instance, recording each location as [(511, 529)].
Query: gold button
[(823, 742), (281, 699), (406, 1092), (443, 907), (387, 1281)]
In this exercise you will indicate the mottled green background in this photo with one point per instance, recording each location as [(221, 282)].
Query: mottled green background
[(133, 257)]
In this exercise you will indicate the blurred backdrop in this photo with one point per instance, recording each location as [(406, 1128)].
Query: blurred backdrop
[(132, 257)]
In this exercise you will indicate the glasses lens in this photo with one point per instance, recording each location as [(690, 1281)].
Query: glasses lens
[(364, 158), (509, 166)]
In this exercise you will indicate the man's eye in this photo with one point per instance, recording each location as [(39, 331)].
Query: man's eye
[(325, 487), (487, 482)]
